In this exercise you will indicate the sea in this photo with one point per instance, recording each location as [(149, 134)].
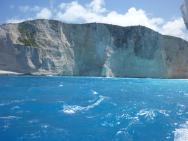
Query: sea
[(40, 108)]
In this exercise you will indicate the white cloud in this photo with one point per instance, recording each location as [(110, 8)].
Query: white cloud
[(44, 13), (175, 28), (95, 11), (62, 5), (17, 20), (97, 6), (14, 20), (72, 12), (132, 17)]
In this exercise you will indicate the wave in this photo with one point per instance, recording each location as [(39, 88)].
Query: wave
[(10, 117), (94, 92), (15, 107), (16, 102), (181, 134), (61, 85), (150, 114), (72, 109)]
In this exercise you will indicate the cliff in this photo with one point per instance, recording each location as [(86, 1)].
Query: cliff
[(52, 47), (184, 10)]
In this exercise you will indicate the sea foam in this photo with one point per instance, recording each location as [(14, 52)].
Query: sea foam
[(181, 134), (72, 109)]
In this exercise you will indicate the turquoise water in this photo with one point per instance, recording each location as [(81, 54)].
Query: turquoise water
[(93, 109)]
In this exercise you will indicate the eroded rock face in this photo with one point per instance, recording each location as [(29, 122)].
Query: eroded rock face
[(52, 47)]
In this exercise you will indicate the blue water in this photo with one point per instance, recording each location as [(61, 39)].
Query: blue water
[(93, 109)]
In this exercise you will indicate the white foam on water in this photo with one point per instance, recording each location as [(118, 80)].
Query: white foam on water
[(72, 109), (68, 109), (119, 132), (181, 134), (94, 92), (16, 101), (107, 124), (33, 121), (181, 109), (92, 100), (31, 136), (164, 112), (45, 126), (181, 105), (60, 85), (11, 102), (185, 94), (151, 113), (10, 117), (122, 131), (90, 117)]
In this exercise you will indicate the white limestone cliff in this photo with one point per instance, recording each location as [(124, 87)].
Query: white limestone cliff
[(48, 47)]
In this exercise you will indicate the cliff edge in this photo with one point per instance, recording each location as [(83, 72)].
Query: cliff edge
[(48, 47)]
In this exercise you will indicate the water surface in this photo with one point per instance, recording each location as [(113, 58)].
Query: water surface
[(93, 109)]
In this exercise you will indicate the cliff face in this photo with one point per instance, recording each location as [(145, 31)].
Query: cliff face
[(184, 10), (52, 47)]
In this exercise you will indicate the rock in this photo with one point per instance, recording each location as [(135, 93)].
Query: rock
[(184, 9), (49, 47)]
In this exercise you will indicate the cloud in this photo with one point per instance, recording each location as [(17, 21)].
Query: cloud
[(132, 17), (17, 20), (97, 6), (72, 12), (175, 28), (14, 20), (44, 13), (95, 11)]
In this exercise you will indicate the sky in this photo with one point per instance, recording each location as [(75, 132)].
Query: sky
[(163, 16)]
